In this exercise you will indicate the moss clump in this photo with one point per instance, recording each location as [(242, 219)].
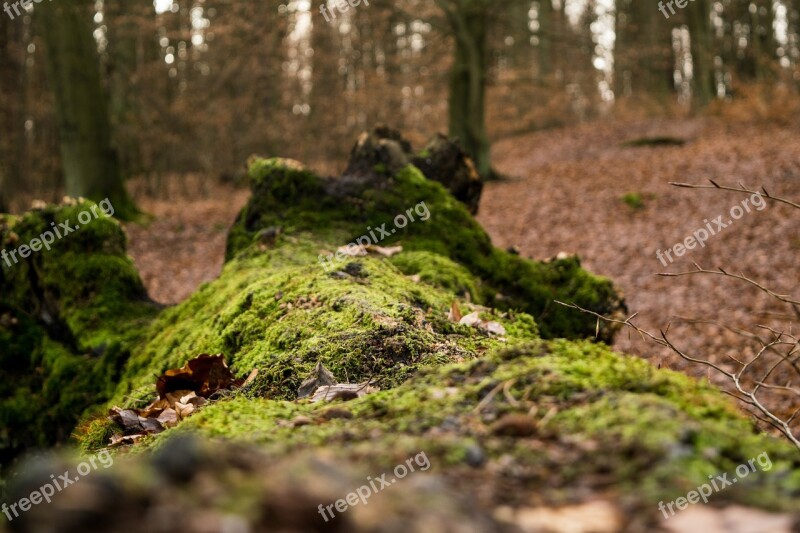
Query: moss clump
[(439, 271), (282, 314), (634, 200), (339, 211), (68, 317)]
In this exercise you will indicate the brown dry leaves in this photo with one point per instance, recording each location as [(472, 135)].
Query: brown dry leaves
[(321, 386), (181, 391), (474, 320)]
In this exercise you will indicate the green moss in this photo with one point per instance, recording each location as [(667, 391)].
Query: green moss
[(68, 317), (439, 271), (594, 418), (634, 200), (336, 213), (610, 420), (271, 313)]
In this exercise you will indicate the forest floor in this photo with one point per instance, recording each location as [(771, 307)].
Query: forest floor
[(565, 194)]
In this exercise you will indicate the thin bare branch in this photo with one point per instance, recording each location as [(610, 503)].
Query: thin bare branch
[(741, 189), (741, 277)]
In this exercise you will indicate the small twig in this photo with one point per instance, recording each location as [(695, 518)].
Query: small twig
[(741, 189), (741, 277)]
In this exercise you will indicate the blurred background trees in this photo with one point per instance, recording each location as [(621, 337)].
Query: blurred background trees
[(194, 87)]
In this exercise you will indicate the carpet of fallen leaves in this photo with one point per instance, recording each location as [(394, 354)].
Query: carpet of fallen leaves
[(565, 194), (183, 245)]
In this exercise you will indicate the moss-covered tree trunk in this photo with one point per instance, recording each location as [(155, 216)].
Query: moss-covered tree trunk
[(455, 354), (90, 164)]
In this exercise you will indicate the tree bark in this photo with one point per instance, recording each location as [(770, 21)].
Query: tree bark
[(698, 14), (91, 167), (467, 102)]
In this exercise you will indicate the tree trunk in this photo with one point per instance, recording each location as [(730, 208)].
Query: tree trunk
[(90, 164), (545, 34), (698, 14), (122, 19), (467, 103), (5, 74)]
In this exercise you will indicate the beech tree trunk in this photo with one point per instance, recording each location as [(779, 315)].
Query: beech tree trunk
[(91, 167), (467, 102), (698, 14)]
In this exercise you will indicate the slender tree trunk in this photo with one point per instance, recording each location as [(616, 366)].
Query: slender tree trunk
[(6, 74), (467, 104), (90, 164), (698, 14), (122, 19), (545, 34), (764, 40)]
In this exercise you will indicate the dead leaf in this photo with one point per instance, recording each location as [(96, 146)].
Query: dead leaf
[(131, 423), (342, 391), (352, 251), (385, 252), (181, 392), (300, 421), (184, 409), (319, 377), (205, 375), (177, 396), (455, 313), (514, 425), (155, 408), (168, 418), (125, 440), (494, 328), (193, 399), (472, 319)]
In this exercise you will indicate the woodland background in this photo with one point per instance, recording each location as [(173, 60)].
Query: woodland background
[(194, 87)]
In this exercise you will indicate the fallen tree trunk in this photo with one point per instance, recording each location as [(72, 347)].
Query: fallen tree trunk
[(447, 347)]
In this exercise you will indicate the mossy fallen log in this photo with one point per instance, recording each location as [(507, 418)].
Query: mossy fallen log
[(68, 318), (526, 411)]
